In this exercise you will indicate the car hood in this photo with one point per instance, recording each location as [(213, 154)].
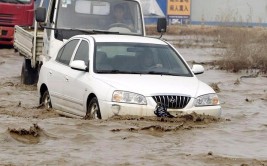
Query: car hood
[(149, 85)]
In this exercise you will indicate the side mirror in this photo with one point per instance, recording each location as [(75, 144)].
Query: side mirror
[(197, 69), (78, 65), (162, 25), (40, 14)]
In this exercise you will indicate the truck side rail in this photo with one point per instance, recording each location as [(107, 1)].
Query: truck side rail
[(23, 42)]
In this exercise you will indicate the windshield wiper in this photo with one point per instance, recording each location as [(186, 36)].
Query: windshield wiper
[(105, 32), (90, 31), (161, 73), (117, 72), (76, 29), (134, 72)]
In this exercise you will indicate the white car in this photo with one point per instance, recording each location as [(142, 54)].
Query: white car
[(99, 76)]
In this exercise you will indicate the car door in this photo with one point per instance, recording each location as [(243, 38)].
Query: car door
[(57, 74), (76, 83)]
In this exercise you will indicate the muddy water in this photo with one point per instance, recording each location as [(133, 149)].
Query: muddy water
[(30, 135)]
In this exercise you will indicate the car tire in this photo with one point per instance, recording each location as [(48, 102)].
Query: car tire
[(93, 110), (29, 75), (46, 100)]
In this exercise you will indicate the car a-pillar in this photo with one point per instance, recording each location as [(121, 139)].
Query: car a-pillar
[(29, 75)]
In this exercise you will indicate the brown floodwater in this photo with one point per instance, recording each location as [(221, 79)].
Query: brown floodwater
[(30, 135)]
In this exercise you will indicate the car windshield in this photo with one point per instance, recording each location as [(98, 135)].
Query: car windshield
[(106, 15), (16, 1), (136, 58)]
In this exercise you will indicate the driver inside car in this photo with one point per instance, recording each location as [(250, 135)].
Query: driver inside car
[(119, 19), (147, 61)]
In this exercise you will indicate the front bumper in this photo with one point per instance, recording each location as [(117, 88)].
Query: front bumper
[(109, 109)]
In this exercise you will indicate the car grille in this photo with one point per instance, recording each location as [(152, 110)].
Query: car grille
[(6, 18), (170, 101)]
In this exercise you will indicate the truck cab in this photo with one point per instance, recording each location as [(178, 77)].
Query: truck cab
[(68, 18), (19, 12)]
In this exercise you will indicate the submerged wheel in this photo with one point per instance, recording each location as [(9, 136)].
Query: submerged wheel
[(46, 100), (93, 110), (29, 75)]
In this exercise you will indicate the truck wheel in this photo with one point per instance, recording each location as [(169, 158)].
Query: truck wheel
[(93, 110), (29, 75)]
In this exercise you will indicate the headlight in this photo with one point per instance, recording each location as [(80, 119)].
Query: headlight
[(128, 97), (207, 100)]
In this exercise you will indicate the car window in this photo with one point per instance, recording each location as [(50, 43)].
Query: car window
[(82, 52), (59, 53), (141, 58), (65, 54)]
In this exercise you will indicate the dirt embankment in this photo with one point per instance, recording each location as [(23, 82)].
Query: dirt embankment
[(243, 48)]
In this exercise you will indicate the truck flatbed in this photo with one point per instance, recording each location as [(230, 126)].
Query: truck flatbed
[(24, 42)]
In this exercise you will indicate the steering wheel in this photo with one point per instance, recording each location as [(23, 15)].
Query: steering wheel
[(152, 67), (155, 66), (120, 25)]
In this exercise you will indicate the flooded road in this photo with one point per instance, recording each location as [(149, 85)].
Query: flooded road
[(30, 135)]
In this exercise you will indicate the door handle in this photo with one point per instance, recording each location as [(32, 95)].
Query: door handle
[(50, 72)]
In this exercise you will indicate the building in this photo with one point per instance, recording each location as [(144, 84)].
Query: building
[(208, 12)]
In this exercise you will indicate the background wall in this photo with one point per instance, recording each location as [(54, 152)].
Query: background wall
[(232, 12), (248, 12)]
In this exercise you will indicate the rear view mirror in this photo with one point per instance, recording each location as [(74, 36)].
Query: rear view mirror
[(162, 25), (78, 65), (40, 14), (197, 69)]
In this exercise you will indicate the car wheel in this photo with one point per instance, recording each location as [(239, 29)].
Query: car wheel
[(93, 110), (46, 100)]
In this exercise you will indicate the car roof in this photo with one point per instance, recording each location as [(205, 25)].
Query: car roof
[(122, 38)]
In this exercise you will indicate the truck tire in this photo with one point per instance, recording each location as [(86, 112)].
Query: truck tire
[(29, 75)]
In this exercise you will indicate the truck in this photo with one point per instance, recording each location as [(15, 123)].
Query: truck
[(14, 12), (63, 19)]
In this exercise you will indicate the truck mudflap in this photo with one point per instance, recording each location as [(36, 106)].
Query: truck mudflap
[(6, 35)]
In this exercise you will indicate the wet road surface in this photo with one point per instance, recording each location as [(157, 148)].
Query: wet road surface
[(30, 135)]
